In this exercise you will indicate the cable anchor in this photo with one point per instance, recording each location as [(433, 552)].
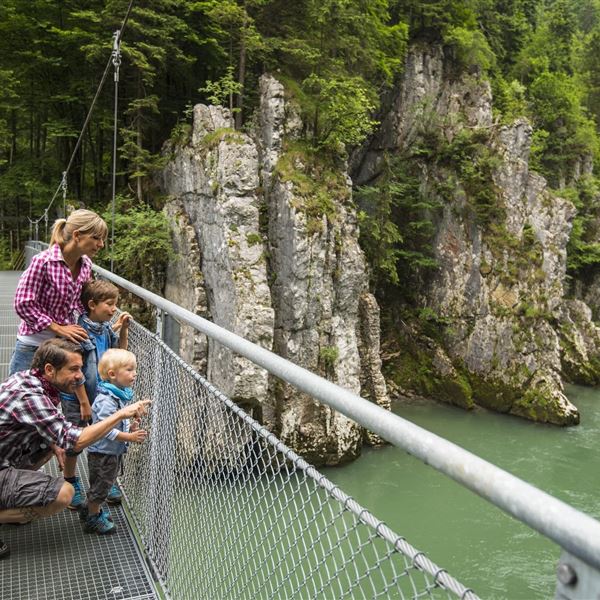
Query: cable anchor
[(64, 186), (116, 52)]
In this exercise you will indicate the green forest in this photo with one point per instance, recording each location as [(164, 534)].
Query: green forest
[(338, 56)]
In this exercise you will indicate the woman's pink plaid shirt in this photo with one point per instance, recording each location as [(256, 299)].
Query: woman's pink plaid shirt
[(47, 292)]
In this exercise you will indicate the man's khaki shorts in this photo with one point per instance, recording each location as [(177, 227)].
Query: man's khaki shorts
[(22, 487)]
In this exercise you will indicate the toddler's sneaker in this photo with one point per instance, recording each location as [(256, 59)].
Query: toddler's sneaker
[(99, 524), (114, 496), (83, 513), (77, 501)]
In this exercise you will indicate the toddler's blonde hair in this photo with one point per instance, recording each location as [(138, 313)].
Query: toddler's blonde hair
[(115, 358)]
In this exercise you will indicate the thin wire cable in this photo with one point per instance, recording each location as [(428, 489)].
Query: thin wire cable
[(89, 114)]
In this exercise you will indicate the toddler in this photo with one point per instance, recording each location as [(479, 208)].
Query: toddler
[(117, 368)]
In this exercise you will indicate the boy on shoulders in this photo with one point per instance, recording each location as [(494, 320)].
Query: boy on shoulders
[(99, 299)]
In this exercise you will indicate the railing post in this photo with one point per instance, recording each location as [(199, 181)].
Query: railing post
[(159, 322), (576, 579), (167, 329), (171, 332)]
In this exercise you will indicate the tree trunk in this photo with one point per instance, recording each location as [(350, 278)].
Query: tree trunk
[(82, 174), (99, 157), (139, 193), (241, 73), (38, 135), (31, 124), (13, 144), (18, 212), (44, 135), (92, 160)]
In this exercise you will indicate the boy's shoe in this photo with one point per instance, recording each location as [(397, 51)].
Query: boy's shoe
[(83, 513), (114, 496), (4, 550), (99, 524), (77, 501)]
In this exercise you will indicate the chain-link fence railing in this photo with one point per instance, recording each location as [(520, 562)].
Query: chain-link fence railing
[(225, 510)]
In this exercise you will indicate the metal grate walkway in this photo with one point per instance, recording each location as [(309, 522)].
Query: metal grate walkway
[(53, 559), (9, 321)]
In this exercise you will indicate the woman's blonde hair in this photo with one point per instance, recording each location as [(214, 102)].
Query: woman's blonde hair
[(82, 220), (115, 358)]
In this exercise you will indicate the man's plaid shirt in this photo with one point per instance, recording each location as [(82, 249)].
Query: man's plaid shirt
[(47, 293), (30, 417)]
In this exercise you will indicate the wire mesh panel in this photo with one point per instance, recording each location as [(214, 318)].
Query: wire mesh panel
[(226, 510)]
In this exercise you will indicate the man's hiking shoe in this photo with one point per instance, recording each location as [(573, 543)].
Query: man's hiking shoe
[(114, 496), (77, 501), (4, 550), (99, 524)]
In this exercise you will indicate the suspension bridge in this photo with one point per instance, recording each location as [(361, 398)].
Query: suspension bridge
[(217, 507)]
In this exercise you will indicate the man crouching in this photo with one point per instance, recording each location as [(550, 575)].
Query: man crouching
[(32, 429)]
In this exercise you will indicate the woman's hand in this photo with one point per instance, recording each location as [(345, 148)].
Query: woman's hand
[(73, 333)]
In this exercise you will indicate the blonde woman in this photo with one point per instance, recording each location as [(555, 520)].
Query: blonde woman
[(48, 293)]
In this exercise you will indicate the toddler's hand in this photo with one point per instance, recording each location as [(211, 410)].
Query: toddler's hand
[(135, 425), (138, 436), (136, 410)]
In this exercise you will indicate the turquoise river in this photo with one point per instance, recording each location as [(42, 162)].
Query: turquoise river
[(481, 546)]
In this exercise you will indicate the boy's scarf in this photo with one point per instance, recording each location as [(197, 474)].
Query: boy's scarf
[(124, 394), (92, 326)]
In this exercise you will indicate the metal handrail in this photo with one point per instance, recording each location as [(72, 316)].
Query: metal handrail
[(574, 531)]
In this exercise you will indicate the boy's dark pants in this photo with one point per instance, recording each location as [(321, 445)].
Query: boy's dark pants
[(72, 414)]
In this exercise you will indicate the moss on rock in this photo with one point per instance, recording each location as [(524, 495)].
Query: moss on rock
[(538, 403), (413, 369), (493, 393)]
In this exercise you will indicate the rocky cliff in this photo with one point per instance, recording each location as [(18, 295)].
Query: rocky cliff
[(506, 335), (267, 243), (267, 239)]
